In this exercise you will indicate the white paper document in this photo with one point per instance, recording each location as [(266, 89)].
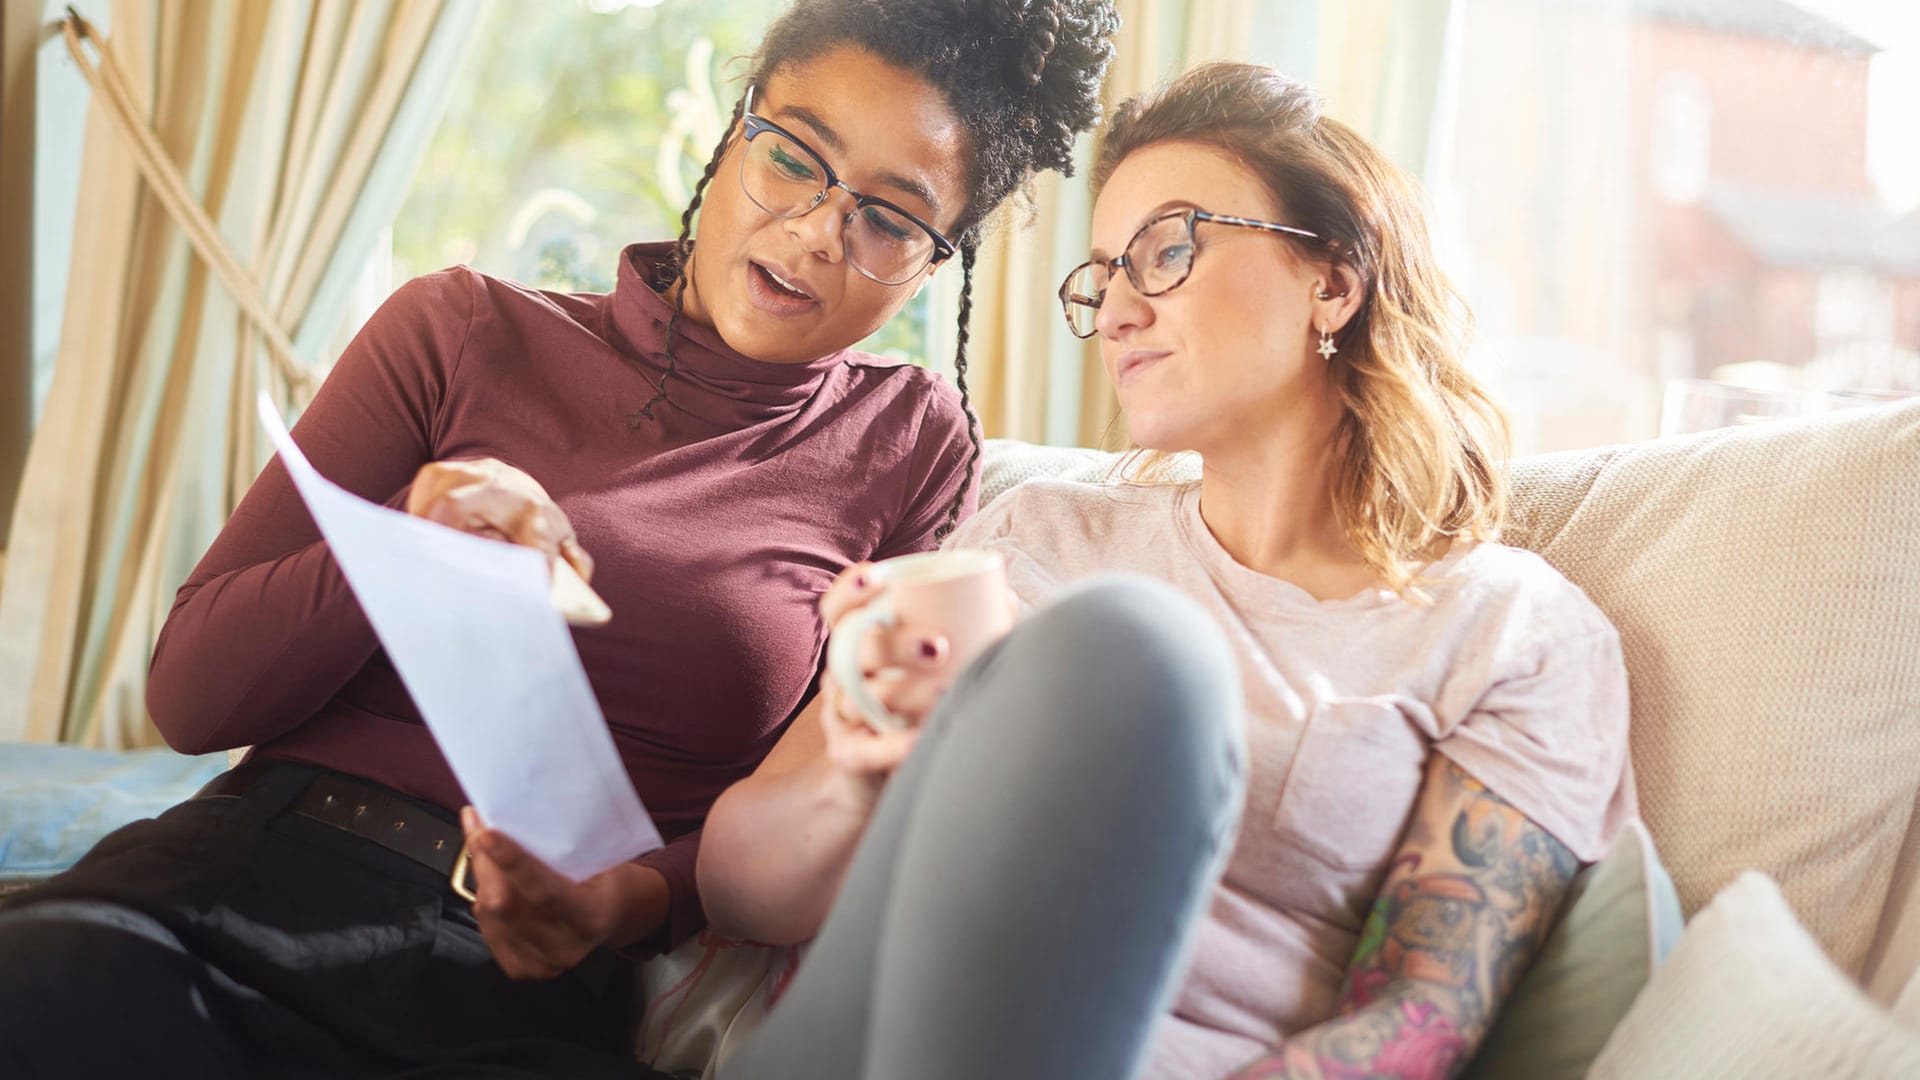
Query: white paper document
[(469, 624)]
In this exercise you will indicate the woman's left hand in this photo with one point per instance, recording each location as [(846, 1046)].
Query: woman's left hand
[(540, 923)]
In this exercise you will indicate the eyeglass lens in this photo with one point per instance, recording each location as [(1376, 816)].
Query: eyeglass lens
[(1158, 258), (786, 179)]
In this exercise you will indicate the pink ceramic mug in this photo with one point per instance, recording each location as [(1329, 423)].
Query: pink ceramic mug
[(960, 595)]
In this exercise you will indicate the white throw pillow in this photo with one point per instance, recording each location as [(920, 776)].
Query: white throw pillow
[(1748, 995)]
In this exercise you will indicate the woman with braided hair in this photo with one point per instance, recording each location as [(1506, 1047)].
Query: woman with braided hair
[(707, 433)]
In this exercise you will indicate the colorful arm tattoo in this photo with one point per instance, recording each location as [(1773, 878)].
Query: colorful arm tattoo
[(1470, 896)]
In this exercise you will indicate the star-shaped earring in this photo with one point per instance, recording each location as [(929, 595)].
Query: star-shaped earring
[(1327, 348)]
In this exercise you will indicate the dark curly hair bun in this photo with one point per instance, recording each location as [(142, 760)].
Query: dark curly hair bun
[(1062, 55), (1042, 34)]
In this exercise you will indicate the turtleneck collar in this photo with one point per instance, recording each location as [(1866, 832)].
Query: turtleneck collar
[(710, 380)]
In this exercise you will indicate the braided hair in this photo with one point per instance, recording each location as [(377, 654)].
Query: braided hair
[(1023, 77)]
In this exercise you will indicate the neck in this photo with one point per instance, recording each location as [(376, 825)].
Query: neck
[(1269, 502), (682, 290)]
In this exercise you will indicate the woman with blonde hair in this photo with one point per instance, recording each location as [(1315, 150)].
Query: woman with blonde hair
[(1435, 732)]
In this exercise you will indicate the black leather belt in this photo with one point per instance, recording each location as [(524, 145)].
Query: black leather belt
[(370, 811)]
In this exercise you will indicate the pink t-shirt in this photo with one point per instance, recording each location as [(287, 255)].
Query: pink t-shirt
[(1512, 673)]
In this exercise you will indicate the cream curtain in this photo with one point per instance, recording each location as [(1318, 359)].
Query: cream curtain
[(1379, 62), (1383, 67), (280, 137)]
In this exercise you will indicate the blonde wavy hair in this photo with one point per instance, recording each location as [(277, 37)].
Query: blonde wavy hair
[(1420, 449)]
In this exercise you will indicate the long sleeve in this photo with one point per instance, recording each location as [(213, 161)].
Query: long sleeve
[(265, 630), (685, 915)]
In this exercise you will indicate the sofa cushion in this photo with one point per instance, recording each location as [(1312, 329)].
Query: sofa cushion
[(1906, 1005), (1007, 462), (1766, 585), (1620, 920), (58, 801), (1748, 995), (1893, 963)]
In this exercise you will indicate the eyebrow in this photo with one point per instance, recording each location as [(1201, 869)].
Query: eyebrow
[(1158, 211), (839, 146)]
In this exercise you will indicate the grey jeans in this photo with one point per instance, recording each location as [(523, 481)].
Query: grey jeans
[(1021, 903)]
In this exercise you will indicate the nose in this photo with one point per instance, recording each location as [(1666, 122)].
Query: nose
[(822, 231), (1122, 309)]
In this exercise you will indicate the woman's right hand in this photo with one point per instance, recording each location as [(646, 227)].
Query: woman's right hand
[(908, 672), (488, 497)]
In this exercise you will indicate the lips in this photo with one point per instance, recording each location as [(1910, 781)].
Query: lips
[(778, 295), (784, 283), (1134, 361)]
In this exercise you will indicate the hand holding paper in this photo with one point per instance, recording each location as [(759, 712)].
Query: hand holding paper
[(490, 498), (470, 624)]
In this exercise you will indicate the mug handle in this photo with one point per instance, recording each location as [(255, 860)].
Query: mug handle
[(843, 662)]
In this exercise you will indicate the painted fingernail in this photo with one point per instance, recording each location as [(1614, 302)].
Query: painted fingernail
[(929, 649)]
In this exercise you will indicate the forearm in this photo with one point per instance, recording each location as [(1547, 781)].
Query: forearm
[(681, 914), (776, 847), (1471, 895), (266, 630), (641, 902), (1414, 1034), (248, 654)]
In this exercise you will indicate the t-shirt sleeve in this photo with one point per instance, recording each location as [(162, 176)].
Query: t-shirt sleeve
[(991, 525), (997, 527), (265, 630), (941, 465), (1551, 738)]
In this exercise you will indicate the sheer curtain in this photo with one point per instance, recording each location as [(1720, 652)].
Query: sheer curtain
[(241, 161)]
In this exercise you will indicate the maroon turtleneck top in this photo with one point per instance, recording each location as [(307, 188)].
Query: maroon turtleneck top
[(714, 527)]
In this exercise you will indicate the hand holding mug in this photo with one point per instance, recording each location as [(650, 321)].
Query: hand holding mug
[(918, 621)]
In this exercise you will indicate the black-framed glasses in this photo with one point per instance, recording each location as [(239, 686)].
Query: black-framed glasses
[(1157, 260), (788, 179)]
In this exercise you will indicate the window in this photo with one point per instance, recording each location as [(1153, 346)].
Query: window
[(1638, 191), (1682, 125), (581, 126), (1629, 192)]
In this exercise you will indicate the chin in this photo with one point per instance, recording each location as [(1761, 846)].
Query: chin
[(749, 336)]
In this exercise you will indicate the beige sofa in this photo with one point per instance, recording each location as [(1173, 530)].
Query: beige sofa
[(1766, 584)]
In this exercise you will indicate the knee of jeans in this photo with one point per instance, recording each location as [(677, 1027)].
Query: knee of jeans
[(40, 957), (67, 967), (1145, 662), (73, 943)]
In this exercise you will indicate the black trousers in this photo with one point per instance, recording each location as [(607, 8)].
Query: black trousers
[(230, 938)]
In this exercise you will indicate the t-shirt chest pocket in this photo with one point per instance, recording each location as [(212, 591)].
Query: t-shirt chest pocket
[(1351, 786)]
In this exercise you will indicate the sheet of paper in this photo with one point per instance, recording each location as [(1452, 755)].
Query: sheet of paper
[(469, 624)]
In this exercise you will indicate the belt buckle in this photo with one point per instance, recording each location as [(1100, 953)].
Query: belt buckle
[(458, 879)]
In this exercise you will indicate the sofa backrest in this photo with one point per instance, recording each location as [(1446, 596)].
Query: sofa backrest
[(1766, 585)]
